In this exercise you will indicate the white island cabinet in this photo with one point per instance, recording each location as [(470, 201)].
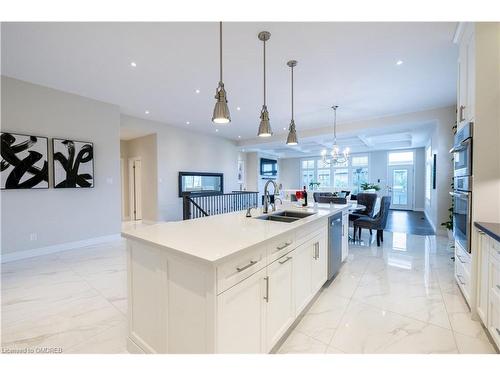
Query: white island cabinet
[(223, 284)]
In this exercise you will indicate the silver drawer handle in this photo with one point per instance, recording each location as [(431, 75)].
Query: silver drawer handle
[(252, 262), (460, 259), (459, 277), (284, 245), (286, 260), (498, 286), (498, 331), (316, 250)]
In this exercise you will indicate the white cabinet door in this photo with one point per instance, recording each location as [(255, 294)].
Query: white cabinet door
[(319, 263), (466, 75), (483, 277), (241, 316), (345, 236), (302, 260), (280, 299)]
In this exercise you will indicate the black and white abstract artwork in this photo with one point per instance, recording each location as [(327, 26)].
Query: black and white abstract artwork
[(24, 162), (73, 164)]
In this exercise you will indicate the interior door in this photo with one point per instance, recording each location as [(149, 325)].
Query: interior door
[(401, 187), (135, 188)]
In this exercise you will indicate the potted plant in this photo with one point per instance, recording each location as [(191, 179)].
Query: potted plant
[(369, 187)]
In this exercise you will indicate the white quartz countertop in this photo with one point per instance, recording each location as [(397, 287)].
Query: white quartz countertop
[(214, 238)]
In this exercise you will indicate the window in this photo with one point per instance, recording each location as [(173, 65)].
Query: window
[(324, 177), (344, 176), (359, 176), (399, 158), (341, 178), (359, 161), (308, 172)]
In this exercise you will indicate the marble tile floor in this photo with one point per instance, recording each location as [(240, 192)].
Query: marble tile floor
[(399, 298)]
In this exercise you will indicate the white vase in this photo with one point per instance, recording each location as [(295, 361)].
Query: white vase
[(369, 191)]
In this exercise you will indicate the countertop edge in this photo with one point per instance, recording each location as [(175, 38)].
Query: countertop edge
[(484, 226), (209, 261)]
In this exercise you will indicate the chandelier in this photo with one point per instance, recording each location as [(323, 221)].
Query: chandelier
[(337, 157)]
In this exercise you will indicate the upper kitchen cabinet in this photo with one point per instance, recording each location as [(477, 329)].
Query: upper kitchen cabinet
[(466, 72)]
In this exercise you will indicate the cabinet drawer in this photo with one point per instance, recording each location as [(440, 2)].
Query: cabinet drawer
[(279, 246), (463, 279), (240, 267), (463, 258), (304, 233), (494, 317)]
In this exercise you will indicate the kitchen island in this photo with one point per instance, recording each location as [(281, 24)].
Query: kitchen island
[(225, 283)]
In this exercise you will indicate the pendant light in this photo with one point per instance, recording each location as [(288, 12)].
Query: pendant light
[(221, 111), (337, 157), (291, 140), (265, 126)]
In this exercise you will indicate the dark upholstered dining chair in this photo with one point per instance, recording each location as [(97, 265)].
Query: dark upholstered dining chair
[(377, 223), (368, 200)]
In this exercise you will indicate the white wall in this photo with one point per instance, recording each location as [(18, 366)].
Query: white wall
[(436, 209), (290, 173), (58, 216), (146, 149), (180, 149)]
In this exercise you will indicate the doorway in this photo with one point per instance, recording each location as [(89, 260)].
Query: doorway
[(401, 187), (135, 188)]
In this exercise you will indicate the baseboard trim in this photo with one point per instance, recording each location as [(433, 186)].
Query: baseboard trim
[(31, 253)]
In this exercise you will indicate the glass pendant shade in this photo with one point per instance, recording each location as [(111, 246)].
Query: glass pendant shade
[(291, 140), (221, 110), (264, 126)]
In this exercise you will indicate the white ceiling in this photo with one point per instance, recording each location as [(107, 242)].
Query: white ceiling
[(350, 64)]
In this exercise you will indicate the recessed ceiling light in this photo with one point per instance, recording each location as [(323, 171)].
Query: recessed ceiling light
[(146, 112), (133, 64), (399, 62), (216, 130), (238, 108), (239, 136), (197, 91), (284, 128), (187, 123)]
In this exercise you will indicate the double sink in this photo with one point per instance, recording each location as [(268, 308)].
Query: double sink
[(285, 216)]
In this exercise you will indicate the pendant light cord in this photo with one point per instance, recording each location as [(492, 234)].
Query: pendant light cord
[(264, 72), (335, 124), (292, 93), (220, 48)]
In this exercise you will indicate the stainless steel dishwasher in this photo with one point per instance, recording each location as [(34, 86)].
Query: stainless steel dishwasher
[(334, 245)]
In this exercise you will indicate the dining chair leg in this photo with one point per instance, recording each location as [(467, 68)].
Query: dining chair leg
[(359, 234), (378, 238), (370, 232), (382, 235)]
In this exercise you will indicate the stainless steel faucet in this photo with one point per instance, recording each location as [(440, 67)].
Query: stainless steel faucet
[(249, 209), (265, 209), (274, 204)]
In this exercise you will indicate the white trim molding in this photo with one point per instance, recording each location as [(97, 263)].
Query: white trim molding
[(31, 253)]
